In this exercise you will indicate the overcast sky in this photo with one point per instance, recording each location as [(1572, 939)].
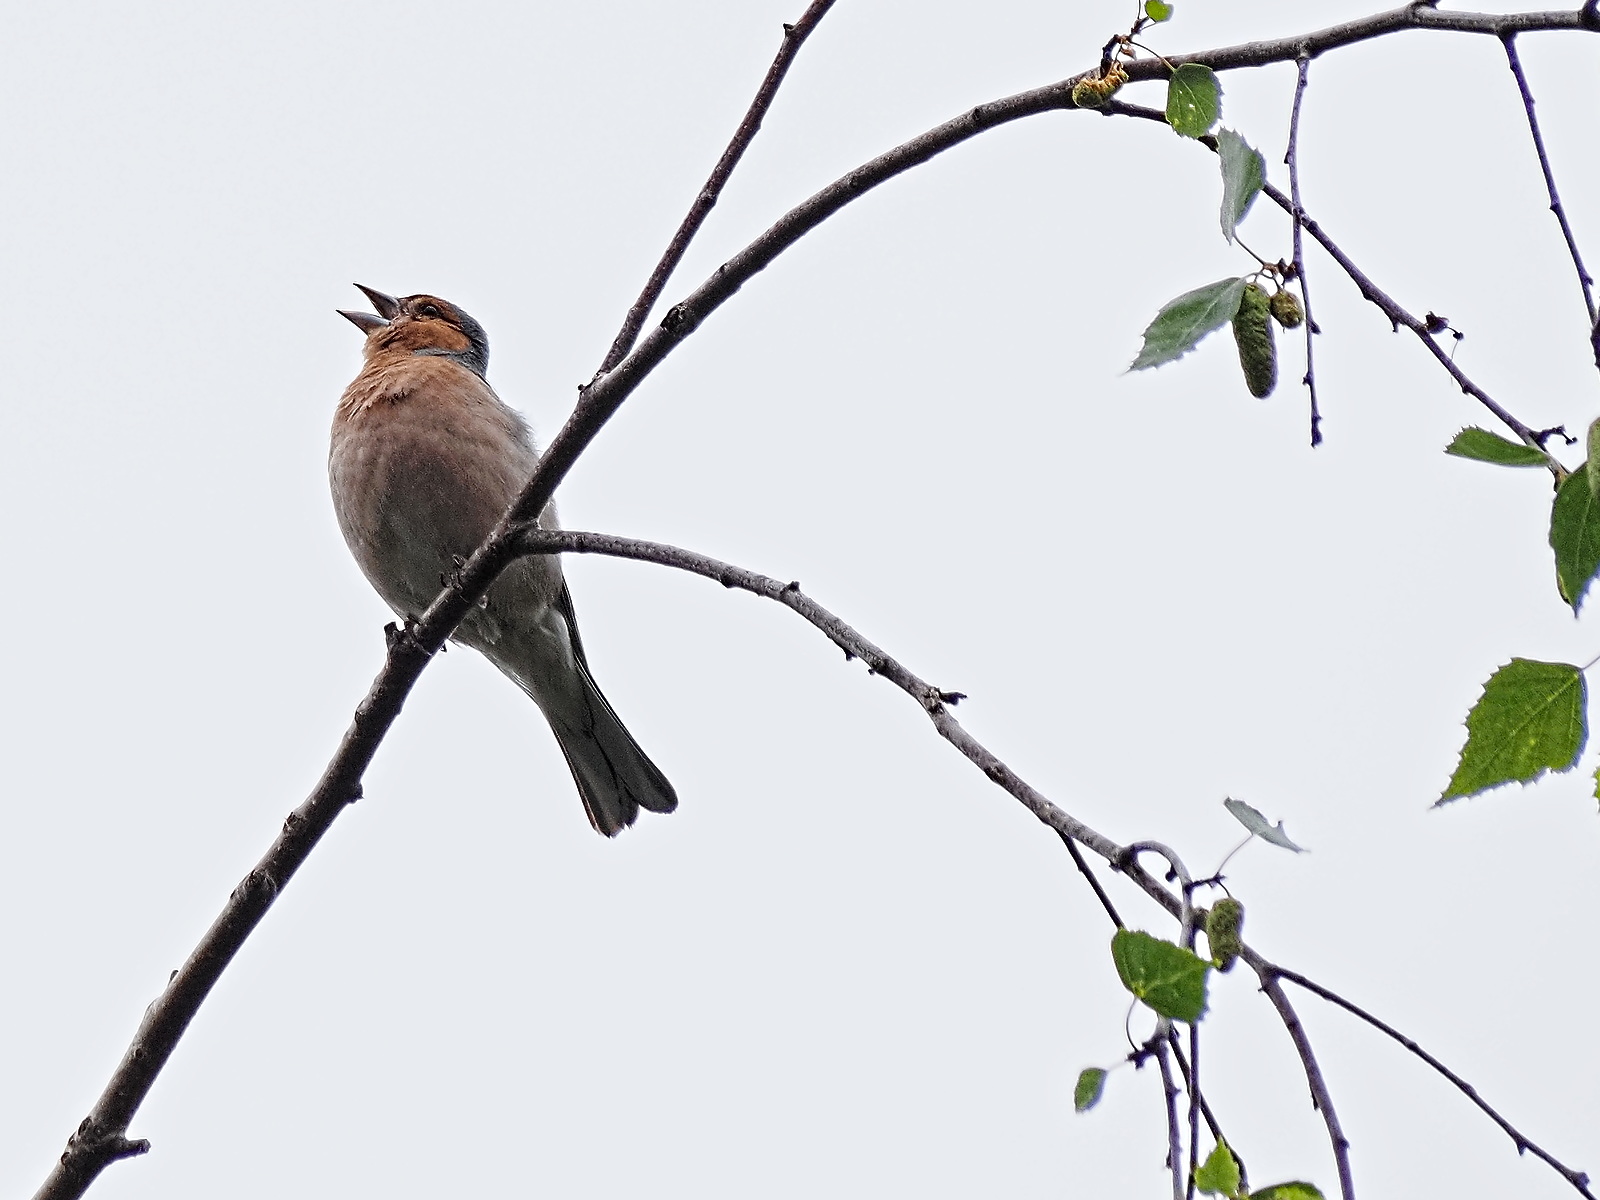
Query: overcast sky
[(849, 965)]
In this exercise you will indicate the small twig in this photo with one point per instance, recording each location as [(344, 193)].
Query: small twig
[(1320, 1096), (1585, 280), (1399, 316), (1193, 1080), (794, 37), (1205, 1107), (1178, 871), (1524, 1145), (1217, 876), (1169, 1091), (1094, 881), (1292, 159)]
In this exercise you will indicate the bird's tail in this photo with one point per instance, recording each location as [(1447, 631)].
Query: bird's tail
[(615, 778)]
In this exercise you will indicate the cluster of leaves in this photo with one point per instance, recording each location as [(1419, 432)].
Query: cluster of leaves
[(1194, 105), (1532, 716), (1172, 981)]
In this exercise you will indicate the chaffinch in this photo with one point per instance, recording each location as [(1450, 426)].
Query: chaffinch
[(425, 458)]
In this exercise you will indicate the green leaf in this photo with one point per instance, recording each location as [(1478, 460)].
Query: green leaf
[(1194, 100), (1484, 446), (1530, 719), (1287, 1191), (1157, 11), (1091, 1082), (1575, 536), (1243, 173), (1592, 467), (1219, 1173), (1257, 824), (1165, 976), (1181, 323)]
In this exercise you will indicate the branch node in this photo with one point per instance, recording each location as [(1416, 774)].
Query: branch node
[(258, 883)]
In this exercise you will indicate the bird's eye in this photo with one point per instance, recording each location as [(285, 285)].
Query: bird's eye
[(428, 310)]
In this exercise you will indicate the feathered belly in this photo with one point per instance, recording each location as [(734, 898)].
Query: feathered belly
[(414, 496)]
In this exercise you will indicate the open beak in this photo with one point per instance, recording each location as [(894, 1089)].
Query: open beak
[(364, 320), (387, 306)]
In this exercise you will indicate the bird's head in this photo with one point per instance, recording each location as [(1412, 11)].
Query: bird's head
[(422, 325)]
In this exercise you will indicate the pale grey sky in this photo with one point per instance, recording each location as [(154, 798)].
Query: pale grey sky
[(848, 965)]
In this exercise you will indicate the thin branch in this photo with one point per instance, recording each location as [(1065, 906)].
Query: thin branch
[(1093, 879), (1205, 1107), (1399, 316), (1371, 292), (530, 539), (1585, 280), (1410, 17), (1169, 1092), (1193, 1080), (1524, 1144), (794, 37), (1292, 159), (1320, 1096), (1175, 870)]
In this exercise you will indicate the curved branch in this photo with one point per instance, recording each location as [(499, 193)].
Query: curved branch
[(1418, 16), (530, 539)]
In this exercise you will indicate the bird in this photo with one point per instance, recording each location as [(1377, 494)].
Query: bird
[(423, 461)]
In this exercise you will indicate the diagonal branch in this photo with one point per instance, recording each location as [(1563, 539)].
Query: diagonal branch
[(794, 37), (1585, 280), (530, 539), (1524, 1144), (1321, 1098)]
